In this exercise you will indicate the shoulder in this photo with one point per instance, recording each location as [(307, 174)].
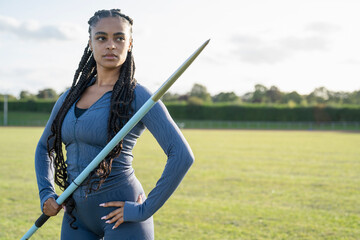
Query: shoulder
[(60, 101), (63, 95), (62, 98), (141, 90), (142, 94)]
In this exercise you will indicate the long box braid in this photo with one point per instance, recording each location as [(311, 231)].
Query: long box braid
[(120, 113)]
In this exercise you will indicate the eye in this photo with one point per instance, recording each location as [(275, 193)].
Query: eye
[(120, 38), (100, 38)]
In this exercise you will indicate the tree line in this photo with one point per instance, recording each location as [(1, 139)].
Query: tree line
[(263, 95), (44, 94), (198, 95)]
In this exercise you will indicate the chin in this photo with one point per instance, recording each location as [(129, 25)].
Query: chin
[(111, 66)]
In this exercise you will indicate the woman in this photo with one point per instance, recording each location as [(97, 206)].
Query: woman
[(104, 95)]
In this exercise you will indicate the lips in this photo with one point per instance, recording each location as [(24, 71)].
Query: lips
[(110, 56)]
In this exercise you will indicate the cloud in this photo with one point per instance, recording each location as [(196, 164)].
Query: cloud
[(33, 79), (262, 54), (247, 40), (322, 27), (34, 30), (304, 43), (258, 49), (351, 61)]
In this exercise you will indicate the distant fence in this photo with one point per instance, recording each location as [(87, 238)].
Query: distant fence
[(199, 124), (32, 123)]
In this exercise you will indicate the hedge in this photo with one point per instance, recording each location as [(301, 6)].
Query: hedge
[(230, 112), (28, 106), (264, 113)]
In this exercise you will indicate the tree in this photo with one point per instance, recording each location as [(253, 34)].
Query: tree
[(25, 95), (247, 97), (259, 94), (274, 95), (9, 97), (47, 93), (353, 98), (319, 95), (293, 96), (200, 92), (225, 97), (169, 97), (195, 101)]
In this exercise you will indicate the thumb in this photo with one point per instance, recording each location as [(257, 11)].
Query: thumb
[(140, 199)]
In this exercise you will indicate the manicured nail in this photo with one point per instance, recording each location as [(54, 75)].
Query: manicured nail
[(102, 204), (113, 227), (104, 217), (108, 221)]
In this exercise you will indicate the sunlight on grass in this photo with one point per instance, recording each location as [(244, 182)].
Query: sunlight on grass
[(243, 185)]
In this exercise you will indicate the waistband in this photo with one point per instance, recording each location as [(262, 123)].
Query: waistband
[(111, 183)]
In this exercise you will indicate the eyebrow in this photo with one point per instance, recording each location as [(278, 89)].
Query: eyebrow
[(115, 34)]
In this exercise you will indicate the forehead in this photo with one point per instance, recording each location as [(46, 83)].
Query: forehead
[(111, 25)]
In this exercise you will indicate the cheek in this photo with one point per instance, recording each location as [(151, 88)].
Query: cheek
[(123, 57), (124, 51), (96, 55)]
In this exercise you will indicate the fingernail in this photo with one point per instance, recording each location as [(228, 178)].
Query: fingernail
[(108, 221), (113, 227), (104, 217), (102, 204)]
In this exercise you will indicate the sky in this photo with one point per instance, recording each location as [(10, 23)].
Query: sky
[(293, 45)]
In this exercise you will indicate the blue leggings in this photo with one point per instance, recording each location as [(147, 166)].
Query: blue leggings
[(88, 215)]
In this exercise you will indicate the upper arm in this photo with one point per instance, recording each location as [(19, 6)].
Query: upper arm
[(162, 126)]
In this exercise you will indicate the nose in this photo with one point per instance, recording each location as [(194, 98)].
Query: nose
[(110, 45)]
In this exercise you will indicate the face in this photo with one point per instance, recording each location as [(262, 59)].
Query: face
[(110, 41)]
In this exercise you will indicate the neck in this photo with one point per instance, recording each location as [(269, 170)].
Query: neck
[(106, 77)]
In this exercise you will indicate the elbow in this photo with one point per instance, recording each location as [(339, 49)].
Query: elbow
[(187, 157), (146, 216), (190, 159)]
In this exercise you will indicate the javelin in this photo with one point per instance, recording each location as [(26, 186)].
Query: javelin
[(117, 138)]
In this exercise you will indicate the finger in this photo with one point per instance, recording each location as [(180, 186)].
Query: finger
[(55, 205), (112, 204), (120, 221), (115, 218), (51, 208), (50, 211), (113, 213), (52, 203)]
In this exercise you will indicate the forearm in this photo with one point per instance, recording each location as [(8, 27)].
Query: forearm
[(44, 174), (167, 184)]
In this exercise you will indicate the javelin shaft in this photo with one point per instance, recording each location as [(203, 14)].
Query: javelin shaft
[(117, 138)]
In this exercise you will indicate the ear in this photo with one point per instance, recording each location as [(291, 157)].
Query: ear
[(130, 45)]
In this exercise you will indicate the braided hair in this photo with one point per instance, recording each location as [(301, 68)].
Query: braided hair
[(120, 112)]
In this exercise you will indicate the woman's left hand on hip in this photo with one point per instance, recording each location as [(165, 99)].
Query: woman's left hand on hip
[(118, 214)]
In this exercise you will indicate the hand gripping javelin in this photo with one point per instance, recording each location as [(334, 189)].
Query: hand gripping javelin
[(117, 138)]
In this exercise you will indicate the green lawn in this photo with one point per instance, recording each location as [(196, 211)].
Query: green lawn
[(243, 185)]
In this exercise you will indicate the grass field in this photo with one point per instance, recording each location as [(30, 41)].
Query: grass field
[(243, 185)]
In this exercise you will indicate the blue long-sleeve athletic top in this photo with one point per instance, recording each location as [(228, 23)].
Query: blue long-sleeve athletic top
[(86, 136)]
